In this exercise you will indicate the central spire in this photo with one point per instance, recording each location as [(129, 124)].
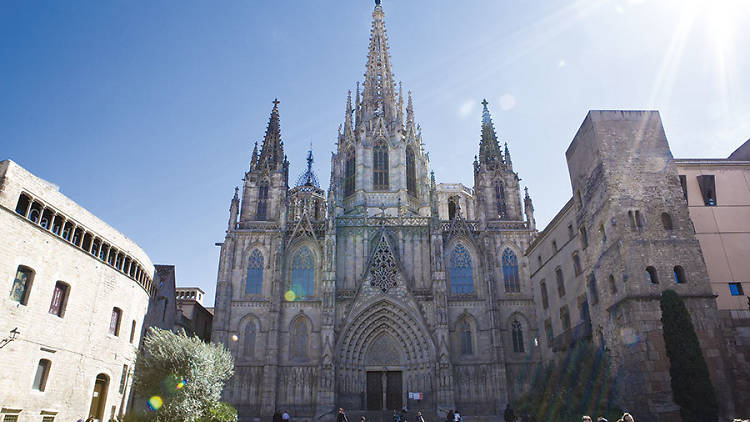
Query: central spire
[(379, 96)]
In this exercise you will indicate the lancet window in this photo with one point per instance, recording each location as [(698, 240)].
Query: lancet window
[(303, 273), (254, 284), (518, 345), (461, 276), (262, 201), (411, 172), (510, 271), (500, 199), (349, 172), (380, 166)]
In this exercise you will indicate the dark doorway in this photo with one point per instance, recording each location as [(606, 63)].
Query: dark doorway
[(384, 386), (393, 398), (374, 391)]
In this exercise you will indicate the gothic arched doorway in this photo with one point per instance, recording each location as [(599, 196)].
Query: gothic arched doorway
[(384, 352)]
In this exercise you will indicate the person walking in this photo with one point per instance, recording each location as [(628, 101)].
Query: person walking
[(419, 416), (627, 417), (285, 417), (456, 416), (509, 415), (342, 416), (276, 416), (449, 416)]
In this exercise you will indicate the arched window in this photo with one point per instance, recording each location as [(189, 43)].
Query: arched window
[(466, 346), (22, 206), (666, 221), (461, 276), (411, 172), (254, 285), (500, 199), (21, 288), (518, 346), (380, 165), (262, 201), (679, 275), (651, 276), (298, 341), (59, 299), (248, 340), (303, 273), (349, 172), (510, 271)]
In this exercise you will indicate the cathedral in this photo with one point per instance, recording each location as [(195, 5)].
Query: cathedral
[(390, 289)]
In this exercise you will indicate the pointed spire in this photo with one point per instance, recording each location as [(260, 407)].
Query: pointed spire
[(400, 105), (529, 209), (308, 177), (508, 163), (254, 159), (379, 92), (489, 149), (410, 114), (272, 151), (234, 208), (348, 129)]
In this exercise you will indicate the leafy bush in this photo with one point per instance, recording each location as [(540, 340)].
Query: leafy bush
[(181, 377), (220, 412), (578, 384)]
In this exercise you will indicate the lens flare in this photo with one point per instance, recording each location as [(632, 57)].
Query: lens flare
[(289, 296), (181, 384), (155, 403)]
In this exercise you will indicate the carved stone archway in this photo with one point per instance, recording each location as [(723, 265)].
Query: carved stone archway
[(385, 336)]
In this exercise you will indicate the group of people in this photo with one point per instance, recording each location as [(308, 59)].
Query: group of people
[(626, 417), (281, 416)]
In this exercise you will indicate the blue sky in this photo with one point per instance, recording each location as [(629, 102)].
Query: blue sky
[(145, 112)]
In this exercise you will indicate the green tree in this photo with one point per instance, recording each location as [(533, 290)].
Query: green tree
[(181, 377), (579, 383), (691, 385)]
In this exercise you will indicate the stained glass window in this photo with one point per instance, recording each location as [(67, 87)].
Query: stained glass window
[(518, 346), (303, 273), (461, 277), (254, 285), (411, 172), (380, 166), (349, 172), (510, 271)]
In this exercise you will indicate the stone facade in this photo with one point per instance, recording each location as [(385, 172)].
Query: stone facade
[(387, 284), (78, 305)]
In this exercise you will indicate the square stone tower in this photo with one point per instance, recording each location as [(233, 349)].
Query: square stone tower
[(636, 241)]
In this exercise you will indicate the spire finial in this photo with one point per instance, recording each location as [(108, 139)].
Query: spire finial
[(276, 102), (377, 2), (484, 103)]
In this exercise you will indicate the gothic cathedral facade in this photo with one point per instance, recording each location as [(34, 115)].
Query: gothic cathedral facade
[(386, 285)]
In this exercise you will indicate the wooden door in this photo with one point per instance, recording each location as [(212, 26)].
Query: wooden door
[(374, 391), (394, 393)]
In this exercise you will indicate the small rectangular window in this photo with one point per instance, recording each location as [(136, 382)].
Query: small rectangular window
[(42, 372), (554, 246), (707, 184), (565, 318), (59, 299), (10, 418), (545, 299), (593, 289), (19, 291), (48, 419), (114, 322), (736, 289), (584, 237), (571, 233), (548, 331)]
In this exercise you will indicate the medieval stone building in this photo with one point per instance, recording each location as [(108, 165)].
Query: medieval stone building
[(387, 285)]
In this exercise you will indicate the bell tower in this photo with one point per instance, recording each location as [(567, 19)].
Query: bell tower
[(266, 183)]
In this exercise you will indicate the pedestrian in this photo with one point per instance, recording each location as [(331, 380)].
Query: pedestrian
[(586, 418), (362, 419), (419, 416), (456, 416), (627, 417), (509, 415), (285, 417), (449, 416), (276, 416), (341, 416), (395, 416)]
